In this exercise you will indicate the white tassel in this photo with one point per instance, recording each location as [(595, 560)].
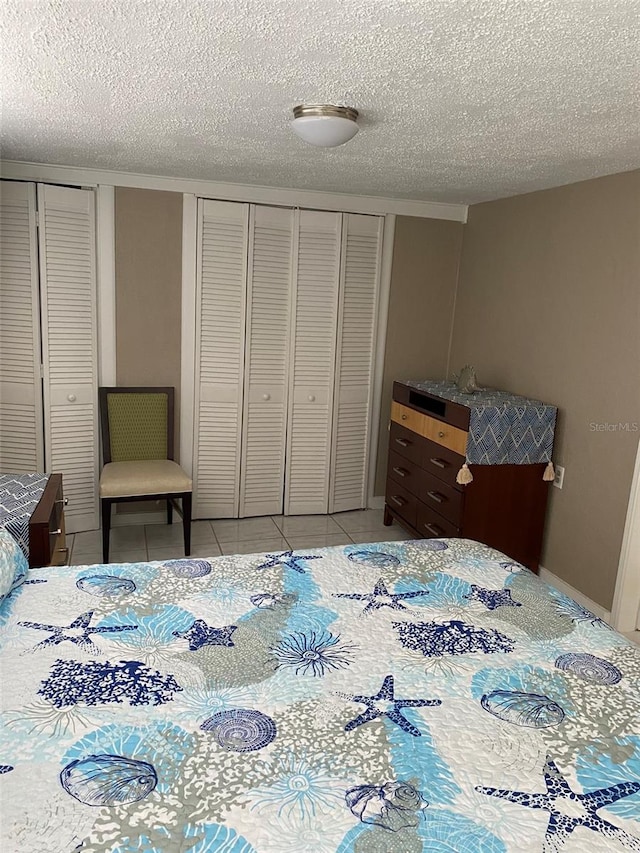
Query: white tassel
[(549, 473), (464, 475)]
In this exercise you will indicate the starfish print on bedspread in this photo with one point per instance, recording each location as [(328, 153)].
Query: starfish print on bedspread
[(492, 598), (381, 597), (200, 634), (568, 810), (288, 560), (78, 632), (385, 704)]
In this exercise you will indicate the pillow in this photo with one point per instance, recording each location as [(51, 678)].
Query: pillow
[(13, 564)]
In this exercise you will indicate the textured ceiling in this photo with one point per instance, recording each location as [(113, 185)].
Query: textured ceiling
[(461, 100)]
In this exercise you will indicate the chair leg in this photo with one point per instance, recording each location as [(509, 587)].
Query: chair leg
[(169, 512), (186, 522), (106, 528)]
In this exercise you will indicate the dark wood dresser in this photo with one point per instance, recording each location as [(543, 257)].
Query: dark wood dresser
[(47, 545), (505, 504)]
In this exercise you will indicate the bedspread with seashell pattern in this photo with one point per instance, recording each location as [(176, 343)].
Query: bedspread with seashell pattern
[(400, 696)]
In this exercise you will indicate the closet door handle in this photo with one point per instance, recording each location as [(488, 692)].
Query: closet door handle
[(437, 497), (403, 442), (63, 501), (433, 528), (401, 472), (439, 463), (266, 396), (397, 500)]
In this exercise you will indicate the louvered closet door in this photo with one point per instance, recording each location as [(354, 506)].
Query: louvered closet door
[(220, 324), (267, 350), (69, 335), (315, 306), (21, 431), (361, 248)]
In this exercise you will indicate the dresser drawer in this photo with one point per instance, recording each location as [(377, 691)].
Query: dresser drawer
[(407, 443), (441, 462), (405, 473), (442, 498), (407, 417), (444, 434), (431, 524), (437, 431), (402, 502)]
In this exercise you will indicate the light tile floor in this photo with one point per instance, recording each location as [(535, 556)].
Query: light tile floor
[(234, 536)]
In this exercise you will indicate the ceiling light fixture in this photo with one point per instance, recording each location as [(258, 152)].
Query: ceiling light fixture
[(324, 125)]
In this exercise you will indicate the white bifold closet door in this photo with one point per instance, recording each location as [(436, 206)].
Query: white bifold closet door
[(223, 232), (312, 362), (266, 361), (285, 327), (21, 430), (357, 309), (69, 346)]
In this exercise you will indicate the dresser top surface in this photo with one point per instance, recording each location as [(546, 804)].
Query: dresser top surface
[(485, 397)]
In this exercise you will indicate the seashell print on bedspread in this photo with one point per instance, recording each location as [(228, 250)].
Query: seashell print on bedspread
[(392, 697)]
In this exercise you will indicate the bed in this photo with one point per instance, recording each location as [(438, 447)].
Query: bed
[(425, 695)]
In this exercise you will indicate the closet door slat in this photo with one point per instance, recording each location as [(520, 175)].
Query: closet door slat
[(313, 352), (69, 333), (266, 370), (361, 249), (21, 430), (220, 324)]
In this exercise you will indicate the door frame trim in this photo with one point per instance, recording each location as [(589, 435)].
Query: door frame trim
[(382, 307), (626, 599)]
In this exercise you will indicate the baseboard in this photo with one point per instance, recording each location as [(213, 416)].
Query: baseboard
[(567, 589), (376, 502), (129, 519)]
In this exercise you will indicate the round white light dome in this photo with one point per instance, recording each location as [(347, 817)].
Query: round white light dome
[(325, 125)]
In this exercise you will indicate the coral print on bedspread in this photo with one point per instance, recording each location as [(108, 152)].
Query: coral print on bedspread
[(393, 697)]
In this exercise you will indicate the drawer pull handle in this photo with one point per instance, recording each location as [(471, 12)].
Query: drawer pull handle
[(401, 472), (403, 442), (437, 497), (64, 551), (433, 528), (71, 398), (404, 417), (441, 434), (63, 501), (311, 398), (397, 500), (266, 396), (439, 463)]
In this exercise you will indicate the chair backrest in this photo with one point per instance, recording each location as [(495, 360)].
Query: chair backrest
[(137, 423)]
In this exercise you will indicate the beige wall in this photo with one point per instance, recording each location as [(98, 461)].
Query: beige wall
[(548, 305), (426, 254), (148, 236), (148, 271)]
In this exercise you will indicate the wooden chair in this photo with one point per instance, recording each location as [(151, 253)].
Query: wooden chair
[(137, 448)]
